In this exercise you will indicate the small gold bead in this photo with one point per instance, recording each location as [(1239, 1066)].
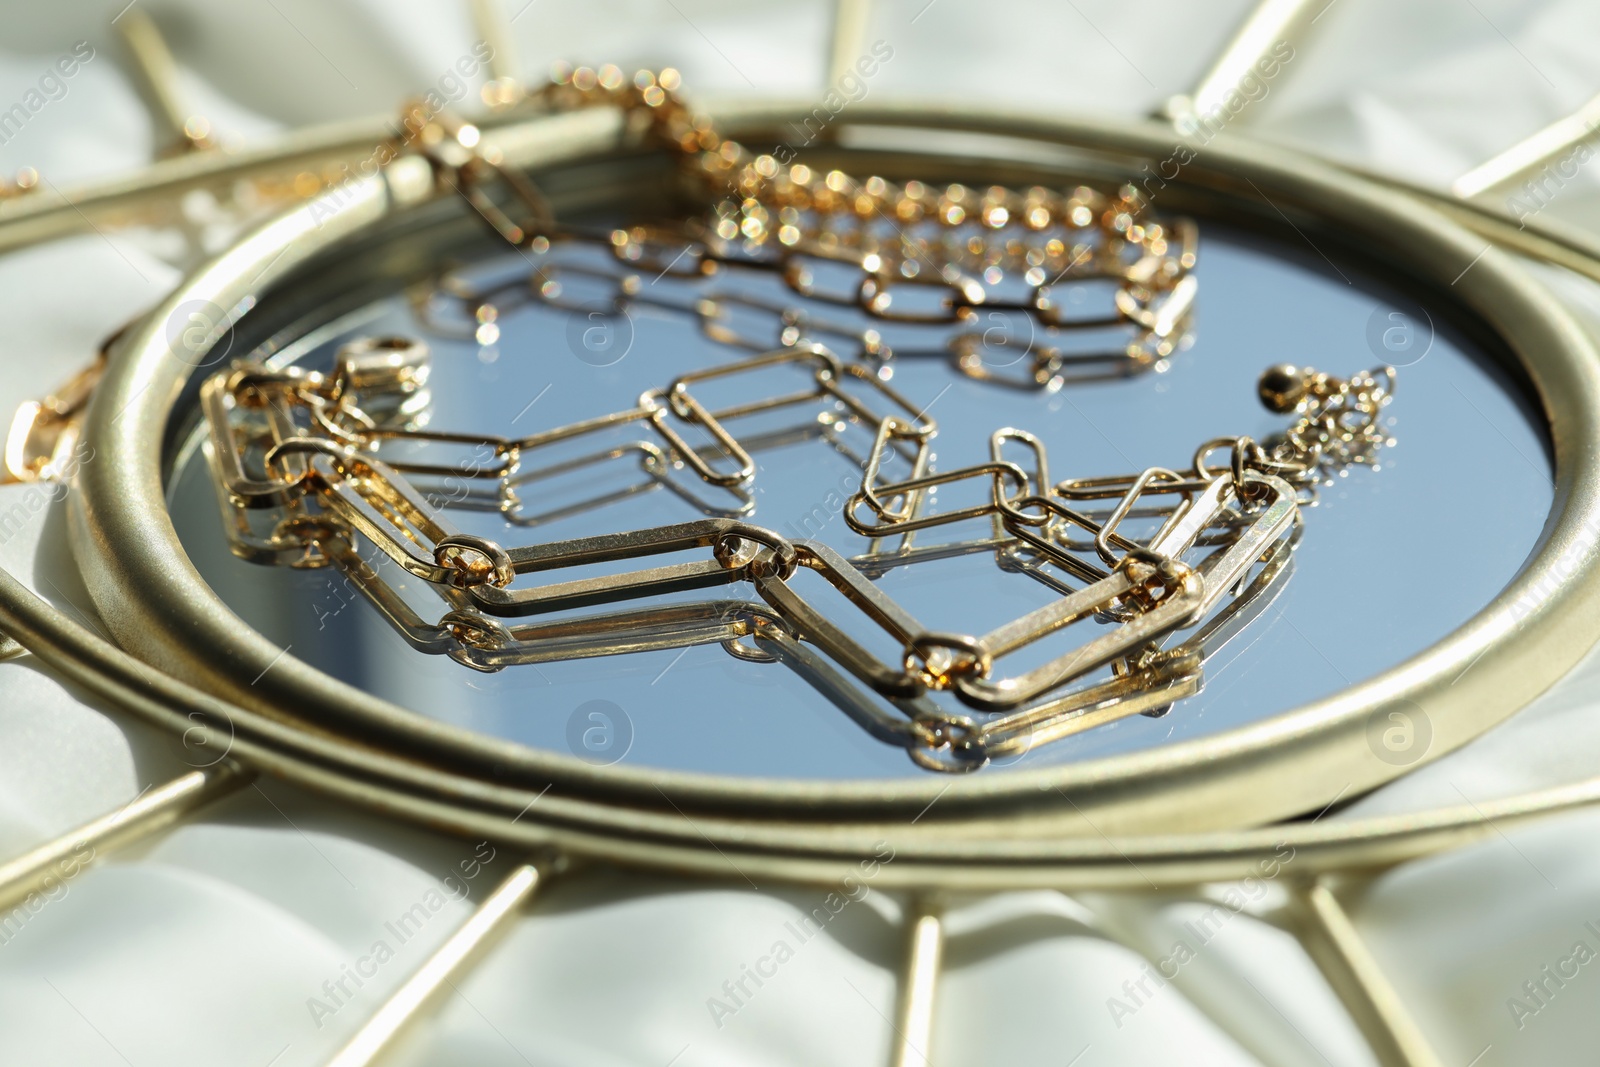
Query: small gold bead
[(1283, 386)]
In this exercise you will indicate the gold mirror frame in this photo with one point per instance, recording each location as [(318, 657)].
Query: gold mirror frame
[(281, 710)]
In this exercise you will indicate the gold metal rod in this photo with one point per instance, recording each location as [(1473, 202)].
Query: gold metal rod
[(380, 1032), (157, 78), (919, 983), (1566, 247), (848, 37), (47, 214), (1530, 154), (151, 811), (1271, 23), (494, 29), (1143, 923), (1344, 959)]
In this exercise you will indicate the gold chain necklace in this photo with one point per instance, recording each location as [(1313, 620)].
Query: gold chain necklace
[(315, 465)]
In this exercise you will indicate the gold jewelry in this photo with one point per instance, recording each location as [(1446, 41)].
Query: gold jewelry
[(328, 447), (925, 254)]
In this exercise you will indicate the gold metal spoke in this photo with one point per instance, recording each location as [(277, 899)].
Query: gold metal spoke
[(152, 811), (498, 910)]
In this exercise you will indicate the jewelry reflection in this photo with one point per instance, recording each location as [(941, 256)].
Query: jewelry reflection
[(1155, 570)]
